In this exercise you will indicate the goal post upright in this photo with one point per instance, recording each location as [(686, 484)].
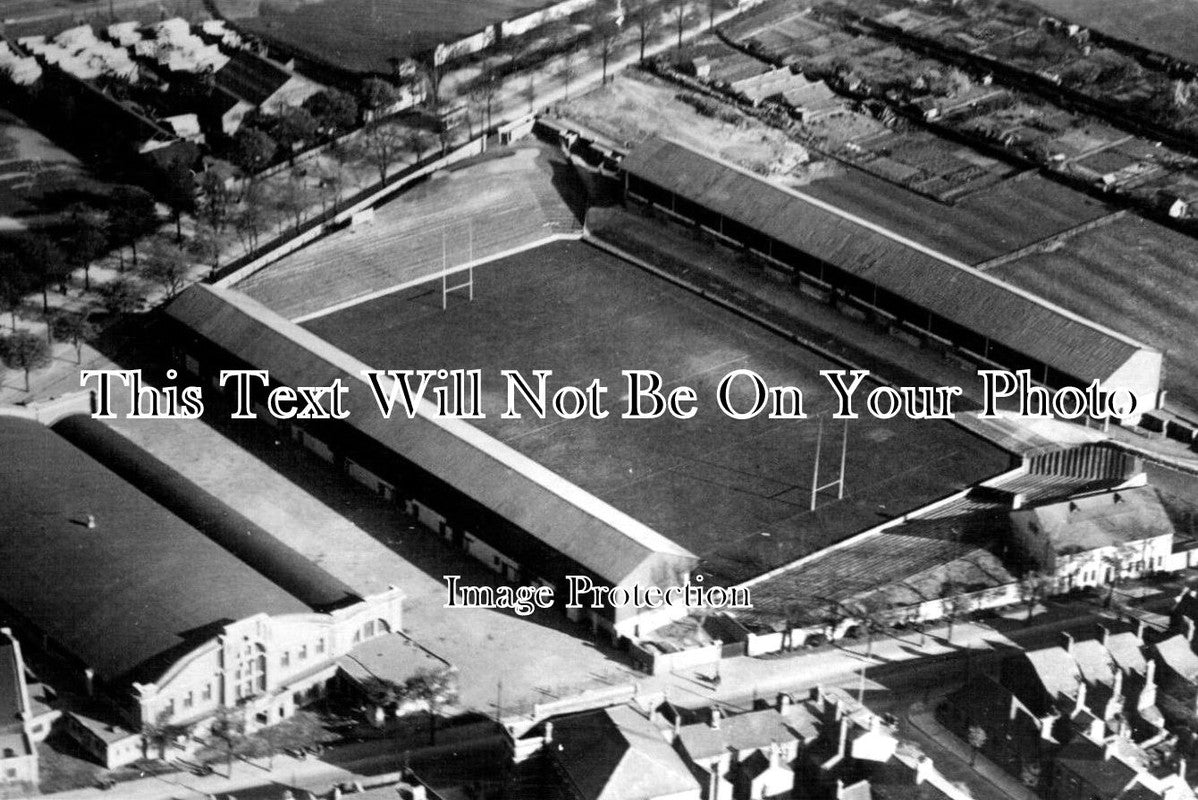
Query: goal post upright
[(468, 284)]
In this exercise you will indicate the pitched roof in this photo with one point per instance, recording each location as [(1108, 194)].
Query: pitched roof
[(616, 754), (1056, 669), (1178, 654), (1105, 519), (141, 584), (1125, 650), (1094, 661), (740, 732), (251, 77), (943, 285), (574, 522)]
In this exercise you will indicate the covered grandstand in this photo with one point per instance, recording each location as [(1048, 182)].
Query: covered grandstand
[(522, 519), (154, 619), (945, 302)]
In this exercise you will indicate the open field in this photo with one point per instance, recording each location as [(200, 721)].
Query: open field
[(734, 492), (366, 35), (1133, 275), (37, 177), (501, 202), (635, 106), (1169, 26), (982, 225)]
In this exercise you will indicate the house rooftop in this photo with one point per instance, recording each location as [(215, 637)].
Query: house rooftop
[(1105, 519), (617, 754)]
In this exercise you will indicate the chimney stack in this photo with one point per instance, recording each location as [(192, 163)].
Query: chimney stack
[(715, 717), (1181, 768), (1188, 622), (89, 681), (1104, 634), (783, 702), (91, 522), (548, 732), (1067, 642), (1140, 631), (842, 748)]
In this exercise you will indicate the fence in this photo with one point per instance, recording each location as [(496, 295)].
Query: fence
[(287, 243), (47, 412), (658, 663)]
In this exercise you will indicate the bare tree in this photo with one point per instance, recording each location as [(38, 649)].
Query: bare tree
[(605, 33), (382, 145), (229, 728), (647, 20), (166, 265), (679, 12), (73, 328), (568, 70)]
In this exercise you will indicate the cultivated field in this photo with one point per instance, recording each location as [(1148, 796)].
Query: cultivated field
[(734, 492), (984, 224), (1133, 275), (366, 35), (635, 106), (484, 208), (1170, 26)]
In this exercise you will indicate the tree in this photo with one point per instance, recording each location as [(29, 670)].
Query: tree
[(430, 71), (647, 19), (15, 283), (84, 241), (24, 351), (292, 129), (74, 328), (417, 141), (381, 146), (216, 197), (254, 215), (121, 295), (131, 214), (376, 94), (568, 70), (334, 110), (977, 740), (679, 11), (166, 265), (229, 729), (1032, 587), (41, 259), (870, 622), (161, 733), (436, 688), (253, 149), (292, 198), (177, 186), (208, 246), (605, 32)]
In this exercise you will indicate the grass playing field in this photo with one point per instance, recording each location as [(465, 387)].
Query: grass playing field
[(365, 35), (1134, 276), (502, 202), (734, 492), (1170, 26)]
